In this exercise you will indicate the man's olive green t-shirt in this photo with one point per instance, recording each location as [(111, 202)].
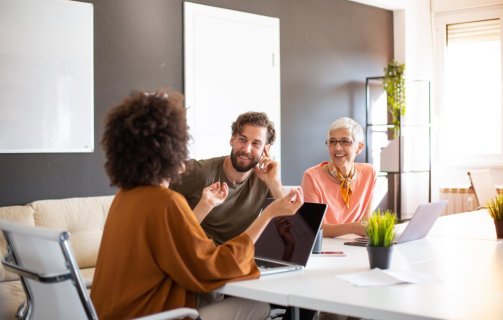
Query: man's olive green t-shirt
[(240, 208)]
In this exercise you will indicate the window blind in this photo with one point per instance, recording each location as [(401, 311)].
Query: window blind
[(474, 31)]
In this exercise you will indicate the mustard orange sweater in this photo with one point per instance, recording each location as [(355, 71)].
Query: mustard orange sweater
[(154, 256)]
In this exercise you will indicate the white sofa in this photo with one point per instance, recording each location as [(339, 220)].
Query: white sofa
[(83, 217)]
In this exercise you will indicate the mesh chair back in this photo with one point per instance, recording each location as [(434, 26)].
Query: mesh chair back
[(483, 186), (49, 273)]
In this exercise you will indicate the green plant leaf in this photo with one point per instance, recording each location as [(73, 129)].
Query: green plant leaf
[(394, 85), (380, 228), (495, 207)]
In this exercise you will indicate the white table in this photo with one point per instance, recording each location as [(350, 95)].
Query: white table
[(474, 225), (468, 264)]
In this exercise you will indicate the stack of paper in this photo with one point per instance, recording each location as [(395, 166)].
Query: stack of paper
[(378, 277)]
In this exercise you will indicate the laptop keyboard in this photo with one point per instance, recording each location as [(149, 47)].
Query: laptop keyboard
[(268, 264)]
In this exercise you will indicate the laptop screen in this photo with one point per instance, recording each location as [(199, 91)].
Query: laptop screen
[(291, 238), (423, 219)]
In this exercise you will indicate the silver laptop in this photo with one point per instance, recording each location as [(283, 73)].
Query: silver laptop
[(417, 228), (421, 222), (287, 242)]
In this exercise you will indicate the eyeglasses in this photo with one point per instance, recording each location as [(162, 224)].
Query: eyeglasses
[(342, 142)]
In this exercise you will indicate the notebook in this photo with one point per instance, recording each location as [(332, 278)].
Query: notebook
[(287, 242), (417, 228)]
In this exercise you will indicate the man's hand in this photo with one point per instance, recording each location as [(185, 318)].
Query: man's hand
[(268, 171), (212, 196)]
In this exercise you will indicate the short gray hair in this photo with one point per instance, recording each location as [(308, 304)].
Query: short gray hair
[(355, 129)]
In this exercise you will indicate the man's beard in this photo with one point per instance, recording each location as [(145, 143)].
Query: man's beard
[(240, 168)]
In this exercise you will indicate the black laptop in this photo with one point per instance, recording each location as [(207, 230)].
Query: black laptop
[(287, 242)]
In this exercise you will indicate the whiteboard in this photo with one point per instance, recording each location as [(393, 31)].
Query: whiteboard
[(231, 66), (46, 76)]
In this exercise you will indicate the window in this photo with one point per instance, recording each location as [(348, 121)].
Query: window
[(468, 98)]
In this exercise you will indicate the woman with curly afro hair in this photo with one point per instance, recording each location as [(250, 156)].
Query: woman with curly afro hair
[(154, 256)]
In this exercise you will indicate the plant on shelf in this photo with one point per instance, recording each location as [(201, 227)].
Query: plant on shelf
[(394, 85), (495, 207), (380, 229)]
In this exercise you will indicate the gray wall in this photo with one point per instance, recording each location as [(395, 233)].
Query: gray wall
[(328, 47)]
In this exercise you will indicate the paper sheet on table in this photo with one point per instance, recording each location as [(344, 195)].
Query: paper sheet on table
[(378, 277)]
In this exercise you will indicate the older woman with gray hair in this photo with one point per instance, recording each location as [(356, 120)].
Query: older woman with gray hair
[(345, 186)]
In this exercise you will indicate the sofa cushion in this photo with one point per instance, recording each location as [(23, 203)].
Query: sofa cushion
[(11, 297), (83, 217), (87, 275), (18, 214)]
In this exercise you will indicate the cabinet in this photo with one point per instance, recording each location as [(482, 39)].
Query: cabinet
[(403, 161)]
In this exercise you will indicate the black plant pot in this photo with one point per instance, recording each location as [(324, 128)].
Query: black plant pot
[(379, 257), (499, 228)]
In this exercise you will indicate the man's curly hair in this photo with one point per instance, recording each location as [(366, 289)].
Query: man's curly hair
[(145, 139), (257, 119)]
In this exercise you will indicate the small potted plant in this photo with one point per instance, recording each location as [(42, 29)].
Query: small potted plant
[(495, 207), (380, 228)]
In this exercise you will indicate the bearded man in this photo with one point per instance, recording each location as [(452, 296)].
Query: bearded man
[(248, 173)]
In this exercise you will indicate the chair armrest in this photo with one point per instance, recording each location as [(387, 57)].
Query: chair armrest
[(179, 313)]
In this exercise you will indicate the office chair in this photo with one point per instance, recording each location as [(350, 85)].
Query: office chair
[(483, 186), (51, 278)]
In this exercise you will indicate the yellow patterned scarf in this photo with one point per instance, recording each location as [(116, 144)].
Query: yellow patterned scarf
[(344, 181)]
